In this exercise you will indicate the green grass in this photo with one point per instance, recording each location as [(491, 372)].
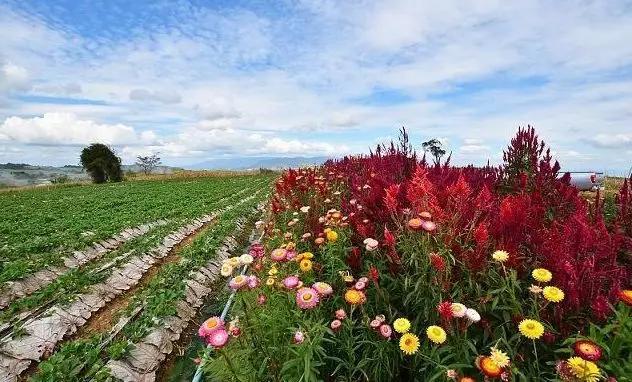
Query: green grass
[(39, 226)]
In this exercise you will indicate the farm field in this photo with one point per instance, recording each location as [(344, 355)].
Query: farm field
[(88, 271)]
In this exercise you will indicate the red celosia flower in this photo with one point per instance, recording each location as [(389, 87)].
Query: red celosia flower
[(354, 260), (437, 261), (445, 310), (390, 197), (549, 337), (587, 350), (374, 274), (389, 238)]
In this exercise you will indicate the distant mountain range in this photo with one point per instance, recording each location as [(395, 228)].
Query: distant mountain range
[(243, 163)]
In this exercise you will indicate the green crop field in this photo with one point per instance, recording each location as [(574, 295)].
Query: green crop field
[(110, 263)]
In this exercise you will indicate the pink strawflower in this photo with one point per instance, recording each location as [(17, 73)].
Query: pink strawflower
[(279, 255), (336, 325), (218, 338), (375, 324), (291, 282), (209, 326), (238, 282), (323, 288), (359, 285), (307, 298), (428, 226), (253, 282), (299, 337), (256, 250), (261, 299), (341, 314), (364, 279), (290, 254), (386, 331)]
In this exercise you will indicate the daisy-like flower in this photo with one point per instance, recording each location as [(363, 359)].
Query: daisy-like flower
[(587, 350), (238, 282), (323, 288), (458, 309), (409, 344), (489, 367), (585, 371), (319, 240), (375, 324), (298, 337), (626, 296), (542, 275), (535, 289), (226, 270), (499, 357), (290, 254), (335, 325), (253, 281), (360, 285), (500, 256), (472, 315), (531, 329), (233, 261), (553, 294), (401, 325), (290, 282), (355, 297), (332, 236), (415, 224), (305, 265), (218, 338), (261, 299), (305, 209), (279, 255), (273, 271), (341, 314), (210, 325), (370, 244), (428, 226), (307, 298), (425, 215), (246, 259), (386, 331), (270, 281), (451, 374), (436, 334)]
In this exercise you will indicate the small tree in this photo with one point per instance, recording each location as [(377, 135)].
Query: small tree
[(101, 163), (148, 163), (435, 148)]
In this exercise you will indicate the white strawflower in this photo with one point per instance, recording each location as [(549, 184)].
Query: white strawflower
[(472, 315), (246, 259), (305, 209), (458, 309), (226, 270)]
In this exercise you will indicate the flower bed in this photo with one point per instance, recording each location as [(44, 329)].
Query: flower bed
[(384, 267)]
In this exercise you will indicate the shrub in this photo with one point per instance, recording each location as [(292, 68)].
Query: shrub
[(101, 163)]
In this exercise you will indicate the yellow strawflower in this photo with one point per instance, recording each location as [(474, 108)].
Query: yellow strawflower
[(270, 281), (542, 275), (401, 325), (332, 236), (409, 344), (306, 265), (585, 371), (436, 334), (500, 256), (553, 294), (500, 358), (531, 329)]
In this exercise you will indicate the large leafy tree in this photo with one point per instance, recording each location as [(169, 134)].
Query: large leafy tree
[(101, 163)]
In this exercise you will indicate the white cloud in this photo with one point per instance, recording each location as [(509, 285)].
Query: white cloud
[(154, 96), (67, 129), (611, 141), (13, 78)]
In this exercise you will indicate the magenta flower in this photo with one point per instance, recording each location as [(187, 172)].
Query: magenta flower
[(209, 326), (279, 255), (253, 282), (218, 338), (299, 337), (290, 254), (291, 282), (261, 299), (307, 298), (323, 289), (386, 331), (428, 226)]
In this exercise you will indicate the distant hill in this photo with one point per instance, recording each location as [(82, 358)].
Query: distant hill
[(242, 163)]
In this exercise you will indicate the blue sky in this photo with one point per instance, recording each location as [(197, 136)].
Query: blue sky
[(197, 80)]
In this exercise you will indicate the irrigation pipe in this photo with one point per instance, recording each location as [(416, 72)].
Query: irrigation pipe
[(198, 373)]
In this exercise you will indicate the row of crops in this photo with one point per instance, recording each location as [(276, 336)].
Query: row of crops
[(87, 316)]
